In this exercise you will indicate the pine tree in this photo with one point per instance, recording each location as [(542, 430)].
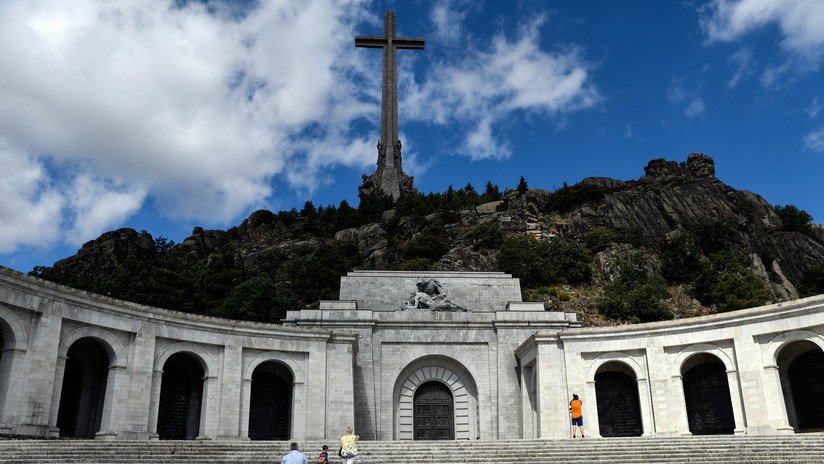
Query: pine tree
[(522, 186)]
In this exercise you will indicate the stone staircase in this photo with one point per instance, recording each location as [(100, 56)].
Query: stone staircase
[(804, 448)]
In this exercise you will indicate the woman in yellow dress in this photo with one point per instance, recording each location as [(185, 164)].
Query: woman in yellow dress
[(349, 446)]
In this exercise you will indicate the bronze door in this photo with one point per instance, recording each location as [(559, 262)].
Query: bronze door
[(433, 416)]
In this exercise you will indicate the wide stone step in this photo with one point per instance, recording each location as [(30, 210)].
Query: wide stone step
[(738, 450)]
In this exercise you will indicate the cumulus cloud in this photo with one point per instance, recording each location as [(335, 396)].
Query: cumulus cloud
[(800, 22), (30, 206), (814, 141), (97, 204), (484, 88), (197, 105), (204, 107)]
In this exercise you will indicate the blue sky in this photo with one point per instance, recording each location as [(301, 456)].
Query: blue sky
[(165, 116)]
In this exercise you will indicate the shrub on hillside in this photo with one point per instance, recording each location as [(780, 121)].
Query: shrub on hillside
[(712, 235), (416, 264), (680, 259), (260, 300), (726, 282), (794, 219), (544, 263), (812, 281), (431, 246), (567, 198), (635, 296), (599, 238), (487, 235)]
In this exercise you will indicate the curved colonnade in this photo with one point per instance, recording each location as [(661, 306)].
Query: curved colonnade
[(754, 371), (74, 364), (79, 365)]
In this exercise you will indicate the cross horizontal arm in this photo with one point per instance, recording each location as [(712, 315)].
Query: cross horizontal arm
[(370, 41), (408, 43)]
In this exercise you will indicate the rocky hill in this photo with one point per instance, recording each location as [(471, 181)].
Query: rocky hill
[(674, 243)]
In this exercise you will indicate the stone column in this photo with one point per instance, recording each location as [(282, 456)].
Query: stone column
[(209, 409), (299, 411), (57, 390), (646, 408), (552, 389), (593, 424), (231, 391), (737, 407), (11, 369), (774, 395), (678, 380), (140, 387), (154, 403), (115, 406), (245, 403), (789, 401)]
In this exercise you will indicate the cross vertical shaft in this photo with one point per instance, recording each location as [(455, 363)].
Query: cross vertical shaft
[(389, 175)]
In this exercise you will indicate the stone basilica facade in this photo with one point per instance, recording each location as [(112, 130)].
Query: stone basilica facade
[(401, 356)]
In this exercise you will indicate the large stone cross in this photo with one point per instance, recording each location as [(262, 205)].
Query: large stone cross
[(389, 156)]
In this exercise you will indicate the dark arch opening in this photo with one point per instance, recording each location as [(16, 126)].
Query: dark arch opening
[(619, 408), (5, 370), (84, 389), (270, 402), (181, 398), (433, 412), (801, 368), (707, 394)]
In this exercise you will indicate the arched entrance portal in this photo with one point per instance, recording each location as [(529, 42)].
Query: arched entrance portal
[(433, 412), (801, 369), (707, 395), (84, 389), (461, 386), (270, 404), (619, 409), (181, 398)]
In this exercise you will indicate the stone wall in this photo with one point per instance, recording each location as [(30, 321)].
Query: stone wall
[(40, 321), (744, 348)]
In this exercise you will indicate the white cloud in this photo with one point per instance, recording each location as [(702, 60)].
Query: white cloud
[(675, 92), (695, 108), (677, 95), (484, 88), (98, 204), (628, 131), (199, 107), (814, 109), (800, 22), (447, 17), (743, 66), (204, 108), (814, 141), (30, 206)]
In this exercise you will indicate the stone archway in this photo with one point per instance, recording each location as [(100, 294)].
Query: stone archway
[(270, 402), (619, 406), (457, 380), (801, 370), (707, 395), (181, 398), (83, 389)]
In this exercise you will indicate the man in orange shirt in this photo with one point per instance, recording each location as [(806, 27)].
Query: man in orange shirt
[(577, 415)]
